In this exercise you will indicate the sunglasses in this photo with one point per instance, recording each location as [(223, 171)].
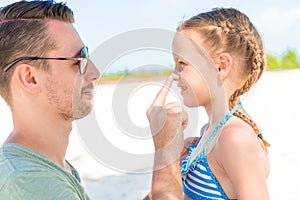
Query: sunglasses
[(82, 65)]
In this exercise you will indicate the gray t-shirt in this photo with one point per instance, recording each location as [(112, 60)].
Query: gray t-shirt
[(28, 175)]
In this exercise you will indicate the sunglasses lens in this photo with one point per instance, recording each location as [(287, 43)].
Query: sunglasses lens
[(83, 65), (84, 52)]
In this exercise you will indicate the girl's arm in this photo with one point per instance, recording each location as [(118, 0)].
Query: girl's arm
[(245, 162)]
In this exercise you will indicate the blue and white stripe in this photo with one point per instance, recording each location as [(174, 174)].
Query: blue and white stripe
[(198, 180), (200, 183)]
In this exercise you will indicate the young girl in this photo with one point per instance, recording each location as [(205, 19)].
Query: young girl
[(230, 159)]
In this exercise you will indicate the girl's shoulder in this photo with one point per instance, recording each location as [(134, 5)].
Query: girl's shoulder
[(239, 150), (238, 135)]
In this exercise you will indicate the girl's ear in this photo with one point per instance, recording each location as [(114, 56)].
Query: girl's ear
[(26, 76), (224, 65)]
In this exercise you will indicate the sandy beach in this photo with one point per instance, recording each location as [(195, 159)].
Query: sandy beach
[(273, 103)]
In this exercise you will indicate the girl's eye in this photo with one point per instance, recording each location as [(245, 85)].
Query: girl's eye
[(180, 66)]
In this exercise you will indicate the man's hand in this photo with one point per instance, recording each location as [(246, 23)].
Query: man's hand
[(187, 143), (167, 122)]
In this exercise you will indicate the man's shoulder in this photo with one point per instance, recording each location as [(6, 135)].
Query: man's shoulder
[(17, 163), (16, 158), (36, 185), (23, 172), (27, 184), (22, 163)]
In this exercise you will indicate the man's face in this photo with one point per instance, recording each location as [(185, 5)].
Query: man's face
[(68, 92)]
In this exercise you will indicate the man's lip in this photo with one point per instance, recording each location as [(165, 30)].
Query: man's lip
[(88, 92)]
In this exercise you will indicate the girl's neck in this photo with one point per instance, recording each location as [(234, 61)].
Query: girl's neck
[(216, 111)]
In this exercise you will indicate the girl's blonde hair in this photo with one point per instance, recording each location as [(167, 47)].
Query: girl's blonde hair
[(229, 30)]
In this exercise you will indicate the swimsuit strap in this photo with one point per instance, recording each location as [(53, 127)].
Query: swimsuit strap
[(185, 163), (221, 123)]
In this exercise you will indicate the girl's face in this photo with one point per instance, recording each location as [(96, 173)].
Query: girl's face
[(193, 87)]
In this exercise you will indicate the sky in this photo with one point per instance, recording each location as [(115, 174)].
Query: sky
[(97, 20)]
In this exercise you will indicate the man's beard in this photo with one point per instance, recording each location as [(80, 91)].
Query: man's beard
[(69, 104)]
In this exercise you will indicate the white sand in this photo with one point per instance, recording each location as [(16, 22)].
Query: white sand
[(274, 104)]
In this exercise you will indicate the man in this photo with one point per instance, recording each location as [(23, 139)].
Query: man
[(46, 78)]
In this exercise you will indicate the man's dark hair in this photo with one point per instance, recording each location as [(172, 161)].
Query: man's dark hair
[(23, 32)]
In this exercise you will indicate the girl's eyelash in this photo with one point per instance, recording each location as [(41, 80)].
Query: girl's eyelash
[(180, 66), (181, 63)]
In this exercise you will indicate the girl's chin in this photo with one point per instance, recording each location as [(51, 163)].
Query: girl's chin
[(190, 104)]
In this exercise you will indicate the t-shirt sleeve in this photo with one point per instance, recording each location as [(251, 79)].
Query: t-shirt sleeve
[(37, 186)]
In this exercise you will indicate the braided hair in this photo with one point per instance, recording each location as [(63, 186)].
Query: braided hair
[(229, 30)]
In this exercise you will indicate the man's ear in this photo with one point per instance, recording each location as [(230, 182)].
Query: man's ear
[(224, 65), (26, 76)]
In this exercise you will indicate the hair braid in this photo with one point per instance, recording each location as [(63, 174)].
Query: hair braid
[(247, 35), (255, 73)]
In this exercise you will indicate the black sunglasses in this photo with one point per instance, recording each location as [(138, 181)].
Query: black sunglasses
[(83, 60)]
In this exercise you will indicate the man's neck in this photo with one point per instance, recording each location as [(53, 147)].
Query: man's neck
[(46, 136)]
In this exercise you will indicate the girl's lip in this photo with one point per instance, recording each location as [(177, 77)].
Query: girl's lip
[(183, 90), (182, 87)]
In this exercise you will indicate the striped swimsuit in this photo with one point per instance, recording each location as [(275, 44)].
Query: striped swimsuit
[(199, 181)]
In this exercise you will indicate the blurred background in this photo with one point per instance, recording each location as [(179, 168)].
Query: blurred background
[(273, 102)]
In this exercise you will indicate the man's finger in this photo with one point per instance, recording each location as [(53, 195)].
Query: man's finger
[(161, 96), (185, 119)]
